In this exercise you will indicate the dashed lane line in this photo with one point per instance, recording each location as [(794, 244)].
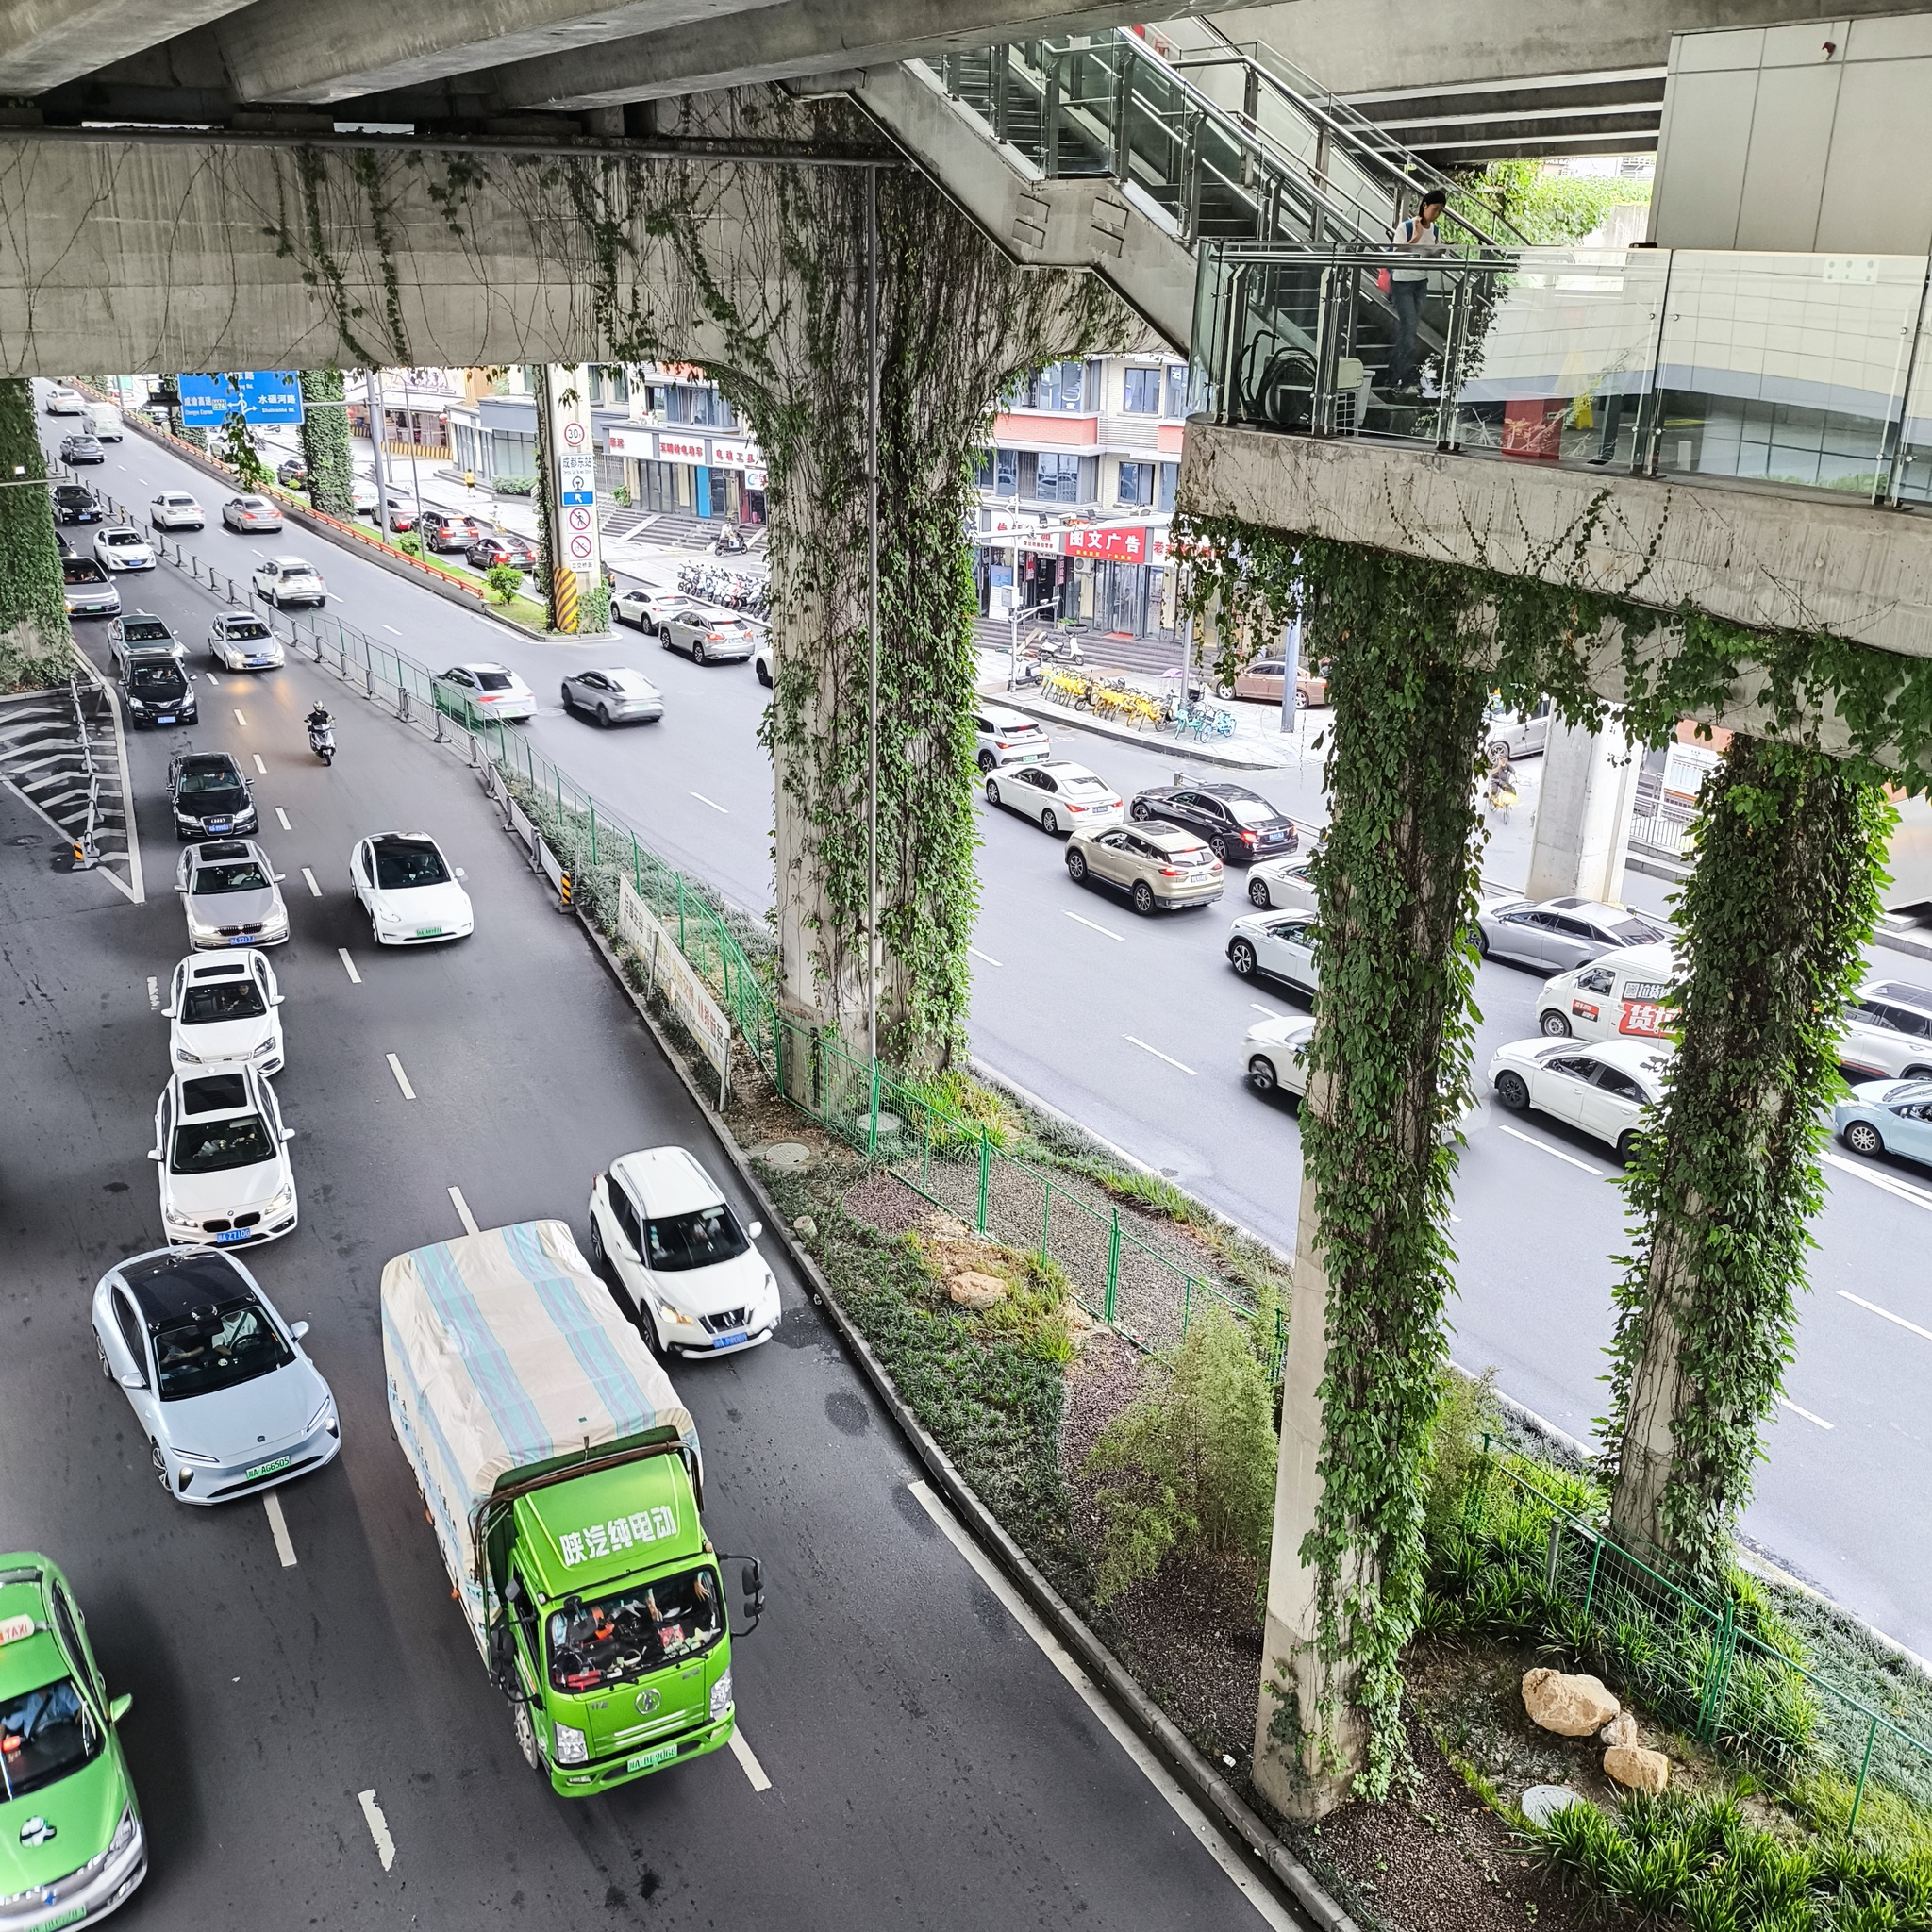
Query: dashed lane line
[(348, 965), (240, 717), (258, 765), (713, 803), (1119, 939), (308, 879), (1846, 1294), (396, 1067), (278, 1528), (748, 1761), (987, 958), (393, 630), (1160, 1056), (283, 818), (463, 1214), (1273, 1912), (379, 1828), (1545, 1147), (1786, 1402)]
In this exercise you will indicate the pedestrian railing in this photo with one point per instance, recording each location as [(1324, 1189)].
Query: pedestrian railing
[(1702, 1666)]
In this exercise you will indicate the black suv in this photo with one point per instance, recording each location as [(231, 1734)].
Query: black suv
[(443, 529), (1236, 825), (74, 503), (210, 796), (157, 690)]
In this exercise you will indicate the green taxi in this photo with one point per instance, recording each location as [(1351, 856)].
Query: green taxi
[(71, 1848)]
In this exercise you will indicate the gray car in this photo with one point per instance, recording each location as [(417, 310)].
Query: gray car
[(1518, 733), (231, 894), (141, 630), (708, 640), (1559, 933), (218, 1381), (240, 640), (614, 695)]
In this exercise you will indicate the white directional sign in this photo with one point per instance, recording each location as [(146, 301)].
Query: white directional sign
[(576, 477)]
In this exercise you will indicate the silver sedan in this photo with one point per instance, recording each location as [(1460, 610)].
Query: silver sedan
[(231, 894), (614, 695), (1558, 934)]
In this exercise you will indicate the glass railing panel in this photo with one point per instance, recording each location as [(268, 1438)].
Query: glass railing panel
[(1909, 472), (1082, 104), (1784, 368)]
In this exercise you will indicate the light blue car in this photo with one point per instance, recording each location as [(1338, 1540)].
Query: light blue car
[(1888, 1117)]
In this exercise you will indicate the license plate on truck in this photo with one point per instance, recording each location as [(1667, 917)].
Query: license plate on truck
[(650, 1761)]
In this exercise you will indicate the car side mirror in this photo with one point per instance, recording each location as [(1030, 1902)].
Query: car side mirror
[(280, 876), (299, 1329), (120, 1707), (757, 1228), (461, 873), (167, 1012), (276, 1002), (133, 1379), (154, 1153), (288, 1133)]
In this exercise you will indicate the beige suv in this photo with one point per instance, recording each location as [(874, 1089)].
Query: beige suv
[(1154, 865)]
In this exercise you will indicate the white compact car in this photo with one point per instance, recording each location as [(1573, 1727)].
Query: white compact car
[(1056, 796), (285, 580), (232, 896), (1279, 946), (62, 401), (1618, 995), (174, 510), (409, 891), (1888, 1032), (1273, 1054), (240, 640), (121, 548), (1008, 738), (681, 1256), (224, 1010), (222, 1152), (1283, 883), (228, 1402), (1608, 1089)]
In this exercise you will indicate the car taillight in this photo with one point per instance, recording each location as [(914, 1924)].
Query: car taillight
[(1171, 872), (1247, 837)]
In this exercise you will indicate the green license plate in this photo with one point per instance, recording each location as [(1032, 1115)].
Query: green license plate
[(650, 1761), (248, 1475), (428, 932)]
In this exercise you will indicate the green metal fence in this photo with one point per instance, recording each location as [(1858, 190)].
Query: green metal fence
[(1699, 1665)]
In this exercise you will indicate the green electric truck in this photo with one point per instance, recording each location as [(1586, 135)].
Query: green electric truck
[(564, 1479)]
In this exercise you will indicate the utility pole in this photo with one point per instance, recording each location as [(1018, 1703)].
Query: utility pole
[(377, 425)]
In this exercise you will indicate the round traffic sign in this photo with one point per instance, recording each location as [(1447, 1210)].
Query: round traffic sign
[(581, 546), (579, 518), (574, 434)]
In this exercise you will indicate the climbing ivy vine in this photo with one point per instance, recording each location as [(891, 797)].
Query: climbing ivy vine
[(326, 443), (35, 640)]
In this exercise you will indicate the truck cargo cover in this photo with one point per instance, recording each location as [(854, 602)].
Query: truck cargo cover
[(503, 1350)]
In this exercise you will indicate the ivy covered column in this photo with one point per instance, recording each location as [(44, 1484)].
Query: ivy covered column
[(1791, 848), (35, 641), (326, 443)]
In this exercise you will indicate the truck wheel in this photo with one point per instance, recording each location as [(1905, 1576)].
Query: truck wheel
[(526, 1734)]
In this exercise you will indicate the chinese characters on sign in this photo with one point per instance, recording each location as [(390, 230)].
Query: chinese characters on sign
[(598, 1539), (1126, 546), (258, 395)]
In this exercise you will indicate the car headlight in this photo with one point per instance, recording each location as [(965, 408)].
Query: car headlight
[(326, 1413), (567, 1745), (675, 1315), (124, 1831), (720, 1694), (286, 1198), (187, 1058)]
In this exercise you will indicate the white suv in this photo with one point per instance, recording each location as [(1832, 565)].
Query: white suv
[(1006, 737), (1888, 1032)]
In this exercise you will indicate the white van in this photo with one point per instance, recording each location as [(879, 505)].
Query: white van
[(1618, 995), (104, 419)]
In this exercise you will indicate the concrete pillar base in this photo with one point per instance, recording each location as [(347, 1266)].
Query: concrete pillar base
[(1583, 817)]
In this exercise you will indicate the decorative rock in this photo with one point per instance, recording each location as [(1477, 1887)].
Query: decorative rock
[(786, 1156), (1636, 1769), (1571, 1706), (1621, 1729), (972, 1290), (804, 1226), (1541, 1803)]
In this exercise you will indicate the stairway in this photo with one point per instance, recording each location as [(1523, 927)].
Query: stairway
[(61, 754)]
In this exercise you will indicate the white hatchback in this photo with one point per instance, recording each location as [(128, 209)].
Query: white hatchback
[(174, 510), (681, 1256), (221, 1010), (220, 1146), (119, 547), (1057, 796), (409, 891)]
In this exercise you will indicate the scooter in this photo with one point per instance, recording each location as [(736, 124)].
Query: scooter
[(321, 739)]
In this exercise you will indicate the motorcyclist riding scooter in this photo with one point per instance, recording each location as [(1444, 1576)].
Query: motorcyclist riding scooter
[(322, 735)]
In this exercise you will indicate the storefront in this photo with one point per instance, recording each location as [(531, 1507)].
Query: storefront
[(682, 472), (1101, 577)]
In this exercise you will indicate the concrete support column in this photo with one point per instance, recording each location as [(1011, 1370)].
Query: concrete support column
[(1583, 817), (569, 481)]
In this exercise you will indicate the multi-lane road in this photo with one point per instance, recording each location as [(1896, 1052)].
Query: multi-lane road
[(313, 1736), (1133, 1026)]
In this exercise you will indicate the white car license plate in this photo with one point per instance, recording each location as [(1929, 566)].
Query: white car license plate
[(233, 1234), (428, 932), (248, 1475), (650, 1761), (730, 1339)]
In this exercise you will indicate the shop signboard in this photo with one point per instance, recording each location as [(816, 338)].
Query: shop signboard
[(629, 442), (681, 449), (1115, 545), (733, 455)]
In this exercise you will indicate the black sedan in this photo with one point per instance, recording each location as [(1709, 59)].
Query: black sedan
[(1238, 825), (493, 548), (211, 799), (81, 449), (74, 503)]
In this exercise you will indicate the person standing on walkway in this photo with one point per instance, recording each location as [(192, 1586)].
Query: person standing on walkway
[(1408, 284)]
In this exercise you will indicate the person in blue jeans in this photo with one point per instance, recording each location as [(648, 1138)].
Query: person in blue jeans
[(1408, 285)]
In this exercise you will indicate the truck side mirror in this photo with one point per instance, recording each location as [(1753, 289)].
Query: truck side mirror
[(751, 1578)]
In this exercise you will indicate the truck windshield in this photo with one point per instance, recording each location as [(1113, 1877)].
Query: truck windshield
[(608, 1640)]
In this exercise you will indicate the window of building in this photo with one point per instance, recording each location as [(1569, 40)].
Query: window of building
[(999, 471), (1165, 486), (1137, 482), (1058, 386), (1141, 393), (1057, 477)]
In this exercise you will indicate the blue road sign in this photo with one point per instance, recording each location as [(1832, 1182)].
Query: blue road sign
[(261, 395)]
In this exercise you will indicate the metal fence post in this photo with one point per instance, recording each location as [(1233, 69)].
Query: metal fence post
[(1113, 1265), (871, 1128), (1595, 1561), (591, 803), (680, 911), (1045, 1216), (985, 1174), (1864, 1770)]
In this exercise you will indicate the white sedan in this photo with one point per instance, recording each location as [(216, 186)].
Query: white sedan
[(121, 548), (1057, 796), (225, 1010), (1607, 1089), (1273, 1054), (473, 693), (62, 401), (1283, 883), (218, 1382), (222, 1151), (409, 891), (665, 1226), (240, 640), (174, 510)]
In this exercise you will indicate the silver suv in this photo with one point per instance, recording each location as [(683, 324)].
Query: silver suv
[(1888, 1032), (1154, 865)]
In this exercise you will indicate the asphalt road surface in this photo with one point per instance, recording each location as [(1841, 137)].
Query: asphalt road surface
[(1134, 1028), (928, 1764)]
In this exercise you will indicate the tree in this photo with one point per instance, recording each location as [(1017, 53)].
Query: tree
[(36, 643), (506, 581)]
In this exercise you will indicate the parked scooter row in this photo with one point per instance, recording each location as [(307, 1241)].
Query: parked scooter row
[(735, 589)]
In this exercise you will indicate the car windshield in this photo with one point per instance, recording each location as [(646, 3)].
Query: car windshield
[(156, 678), (241, 1139), (44, 1734), (207, 1005), (399, 866), (246, 627), (209, 778), (217, 1349), (1635, 932), (495, 680), (149, 630), (606, 1640), (125, 537), (81, 570), (1251, 811), (244, 877), (697, 1239)]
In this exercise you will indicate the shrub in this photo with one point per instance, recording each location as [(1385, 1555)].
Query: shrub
[(593, 613), (1190, 1467), (409, 544), (513, 486), (505, 580), (1465, 1414)]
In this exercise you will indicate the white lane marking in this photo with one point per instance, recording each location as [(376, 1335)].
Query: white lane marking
[(348, 965), (284, 818), (278, 1528), (1786, 1402), (258, 765), (748, 1761), (1119, 937), (379, 1828), (1150, 1767), (1545, 1147), (1890, 1183), (1849, 1296), (979, 955), (1158, 1055), (1273, 1012), (393, 630), (462, 1208), (308, 878), (214, 683), (396, 1067), (238, 718), (713, 803), (154, 995)]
